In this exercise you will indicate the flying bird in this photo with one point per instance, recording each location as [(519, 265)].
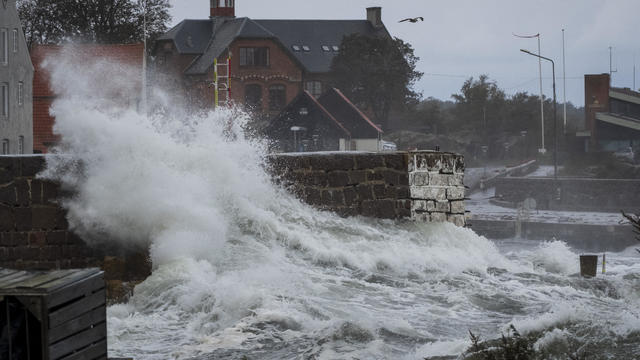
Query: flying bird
[(413, 20)]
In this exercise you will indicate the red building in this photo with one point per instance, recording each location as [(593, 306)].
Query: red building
[(272, 61), (43, 94), (612, 115)]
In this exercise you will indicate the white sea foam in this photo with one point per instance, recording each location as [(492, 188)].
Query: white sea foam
[(555, 257), (240, 264)]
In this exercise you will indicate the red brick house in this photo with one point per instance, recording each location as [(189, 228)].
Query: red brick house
[(272, 61), (612, 115), (43, 95)]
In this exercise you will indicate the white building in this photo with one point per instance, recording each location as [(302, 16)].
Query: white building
[(16, 84)]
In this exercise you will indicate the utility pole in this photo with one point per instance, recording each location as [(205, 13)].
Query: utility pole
[(564, 87), (555, 123), (542, 150), (611, 71), (144, 57)]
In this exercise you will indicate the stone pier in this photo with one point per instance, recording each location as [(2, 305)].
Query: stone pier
[(422, 185)]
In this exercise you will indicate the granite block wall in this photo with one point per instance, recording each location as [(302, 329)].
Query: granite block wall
[(422, 185), (437, 187)]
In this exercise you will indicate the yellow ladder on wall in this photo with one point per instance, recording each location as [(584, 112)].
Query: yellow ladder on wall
[(222, 82)]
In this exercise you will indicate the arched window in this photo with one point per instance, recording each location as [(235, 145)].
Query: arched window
[(277, 97), (253, 96)]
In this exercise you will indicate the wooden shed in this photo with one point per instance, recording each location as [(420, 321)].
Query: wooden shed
[(55, 315)]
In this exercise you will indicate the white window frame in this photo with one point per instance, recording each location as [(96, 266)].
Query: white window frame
[(20, 144), (4, 101), (5, 147), (20, 93), (314, 87), (15, 40), (4, 47)]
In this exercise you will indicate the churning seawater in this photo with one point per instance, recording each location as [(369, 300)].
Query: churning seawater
[(243, 269)]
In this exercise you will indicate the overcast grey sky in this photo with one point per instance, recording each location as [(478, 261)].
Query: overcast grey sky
[(462, 38)]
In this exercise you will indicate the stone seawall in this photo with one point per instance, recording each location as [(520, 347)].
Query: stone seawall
[(424, 186), (35, 235), (571, 194)]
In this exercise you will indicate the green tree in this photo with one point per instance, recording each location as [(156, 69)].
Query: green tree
[(377, 73), (100, 21), (479, 105)]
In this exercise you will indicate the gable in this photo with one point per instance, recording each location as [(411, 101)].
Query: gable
[(10, 20)]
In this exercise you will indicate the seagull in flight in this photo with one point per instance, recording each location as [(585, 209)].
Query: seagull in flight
[(413, 20)]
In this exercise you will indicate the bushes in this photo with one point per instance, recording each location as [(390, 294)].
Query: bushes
[(512, 346), (635, 222)]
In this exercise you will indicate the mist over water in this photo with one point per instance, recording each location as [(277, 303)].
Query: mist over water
[(242, 268)]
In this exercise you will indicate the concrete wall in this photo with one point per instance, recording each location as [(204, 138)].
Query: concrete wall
[(584, 237), (571, 194), (17, 69), (425, 186)]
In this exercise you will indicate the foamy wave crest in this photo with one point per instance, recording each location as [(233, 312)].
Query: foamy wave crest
[(555, 257)]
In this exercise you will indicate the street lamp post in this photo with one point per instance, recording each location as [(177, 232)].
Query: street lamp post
[(555, 123)]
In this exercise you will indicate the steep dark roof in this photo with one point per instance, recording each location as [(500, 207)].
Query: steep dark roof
[(315, 34), (211, 37), (290, 115), (334, 108), (190, 36), (226, 30), (358, 124)]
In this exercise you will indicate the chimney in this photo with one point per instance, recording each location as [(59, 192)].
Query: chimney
[(374, 16), (224, 8)]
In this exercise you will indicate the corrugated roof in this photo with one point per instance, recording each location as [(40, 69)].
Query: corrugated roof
[(620, 120), (625, 94)]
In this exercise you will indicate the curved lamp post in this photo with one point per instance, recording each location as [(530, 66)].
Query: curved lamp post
[(555, 125)]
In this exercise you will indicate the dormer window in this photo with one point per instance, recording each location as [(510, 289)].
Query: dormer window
[(326, 48), (306, 48), (295, 47)]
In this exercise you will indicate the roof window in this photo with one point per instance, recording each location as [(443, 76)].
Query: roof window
[(335, 48), (306, 48), (295, 47), (325, 48)]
